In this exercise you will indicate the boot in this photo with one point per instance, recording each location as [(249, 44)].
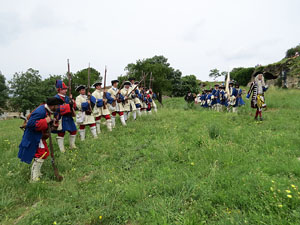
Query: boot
[(94, 131), (36, 169), (82, 134), (60, 142), (98, 127), (72, 141), (123, 120), (139, 112), (113, 121), (134, 115), (109, 124), (128, 115)]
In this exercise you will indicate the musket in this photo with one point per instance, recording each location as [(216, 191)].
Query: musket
[(56, 173), (70, 87), (150, 83), (104, 91), (88, 89), (118, 94), (138, 84)]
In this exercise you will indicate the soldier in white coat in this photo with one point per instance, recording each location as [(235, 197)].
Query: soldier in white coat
[(85, 109), (128, 102), (101, 108), (116, 106)]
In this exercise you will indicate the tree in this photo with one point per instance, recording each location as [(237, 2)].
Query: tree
[(242, 75), (48, 85), (189, 83), (3, 93), (292, 51), (81, 78), (164, 76), (26, 90), (215, 73)]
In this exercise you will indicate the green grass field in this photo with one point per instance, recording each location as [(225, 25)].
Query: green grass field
[(181, 166)]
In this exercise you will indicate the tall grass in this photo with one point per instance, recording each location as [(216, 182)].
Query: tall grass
[(180, 166)]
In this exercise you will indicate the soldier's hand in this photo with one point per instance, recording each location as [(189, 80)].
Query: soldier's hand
[(89, 101), (48, 119), (71, 96), (104, 101)]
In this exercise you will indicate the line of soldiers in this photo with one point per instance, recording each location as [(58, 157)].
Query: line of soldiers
[(218, 99), (89, 109)]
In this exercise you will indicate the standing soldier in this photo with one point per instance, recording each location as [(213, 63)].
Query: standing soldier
[(116, 106), (257, 89), (85, 105), (239, 100), (33, 144), (216, 101), (153, 96), (133, 95), (137, 100), (126, 91), (142, 99), (101, 109), (65, 115)]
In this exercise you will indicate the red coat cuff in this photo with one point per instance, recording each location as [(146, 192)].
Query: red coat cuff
[(41, 125), (64, 109)]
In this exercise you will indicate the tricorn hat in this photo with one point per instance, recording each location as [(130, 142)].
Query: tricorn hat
[(54, 101), (80, 87), (131, 78), (127, 83), (114, 81), (97, 83)]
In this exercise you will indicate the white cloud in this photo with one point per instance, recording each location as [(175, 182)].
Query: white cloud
[(196, 35)]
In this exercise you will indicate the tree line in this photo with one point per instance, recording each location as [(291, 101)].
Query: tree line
[(26, 90)]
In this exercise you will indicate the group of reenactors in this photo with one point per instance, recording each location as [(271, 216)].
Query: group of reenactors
[(88, 108), (220, 99)]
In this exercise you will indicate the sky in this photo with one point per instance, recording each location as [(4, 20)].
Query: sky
[(195, 35)]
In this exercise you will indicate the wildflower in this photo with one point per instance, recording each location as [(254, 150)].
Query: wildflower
[(54, 222), (289, 196), (293, 186), (110, 180), (273, 181), (192, 163), (288, 191), (280, 206), (271, 188), (100, 217)]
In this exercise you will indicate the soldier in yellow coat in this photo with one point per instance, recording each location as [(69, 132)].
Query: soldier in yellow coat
[(85, 109), (101, 107), (116, 106)]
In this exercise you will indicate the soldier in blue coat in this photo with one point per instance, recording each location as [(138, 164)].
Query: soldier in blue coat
[(65, 114), (240, 101), (216, 101), (33, 144)]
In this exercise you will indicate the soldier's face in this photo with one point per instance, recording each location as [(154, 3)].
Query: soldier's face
[(115, 85), (260, 76), (82, 91), (126, 86), (98, 87), (63, 91)]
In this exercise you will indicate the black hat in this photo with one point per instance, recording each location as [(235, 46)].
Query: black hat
[(136, 82), (114, 81), (231, 82), (80, 87), (237, 85), (97, 83), (217, 85), (222, 87), (127, 83), (54, 101), (258, 72), (131, 78)]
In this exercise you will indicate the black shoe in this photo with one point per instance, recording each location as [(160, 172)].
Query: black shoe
[(261, 119), (255, 118)]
